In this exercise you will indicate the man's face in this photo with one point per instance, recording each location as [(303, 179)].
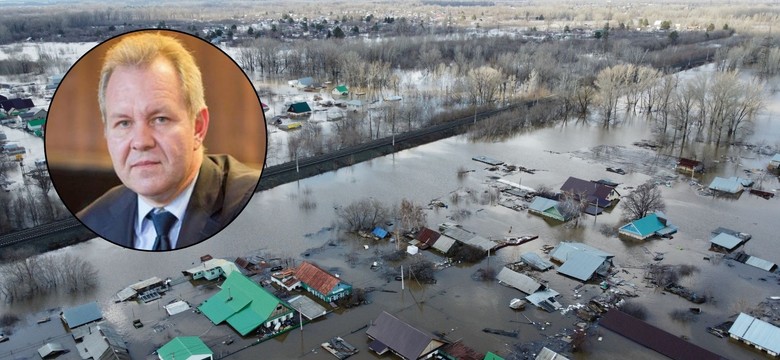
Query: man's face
[(155, 146)]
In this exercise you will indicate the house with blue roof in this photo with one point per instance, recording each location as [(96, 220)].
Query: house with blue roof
[(654, 224), (732, 185), (546, 208)]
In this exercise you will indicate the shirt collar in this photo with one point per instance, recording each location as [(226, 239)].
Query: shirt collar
[(177, 207)]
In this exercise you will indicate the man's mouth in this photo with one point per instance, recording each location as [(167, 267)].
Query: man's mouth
[(144, 163)]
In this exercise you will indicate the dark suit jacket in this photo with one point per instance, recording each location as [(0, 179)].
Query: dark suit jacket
[(223, 188)]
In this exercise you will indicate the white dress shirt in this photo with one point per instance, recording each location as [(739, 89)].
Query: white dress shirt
[(144, 228)]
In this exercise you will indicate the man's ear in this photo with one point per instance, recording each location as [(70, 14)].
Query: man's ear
[(201, 126)]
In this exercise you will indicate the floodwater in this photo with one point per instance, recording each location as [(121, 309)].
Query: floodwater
[(277, 223)]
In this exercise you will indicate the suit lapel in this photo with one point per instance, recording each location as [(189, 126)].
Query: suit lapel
[(120, 227), (200, 219)]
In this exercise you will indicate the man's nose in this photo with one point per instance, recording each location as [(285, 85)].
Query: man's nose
[(143, 138)]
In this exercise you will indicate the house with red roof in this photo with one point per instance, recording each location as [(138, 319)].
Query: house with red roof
[(321, 283)]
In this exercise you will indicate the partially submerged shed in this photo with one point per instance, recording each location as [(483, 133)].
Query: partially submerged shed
[(732, 185), (545, 300), (102, 342), (546, 208), (774, 163), (392, 334), (51, 350), (535, 261), (426, 238), (81, 315), (759, 333), (581, 261), (309, 308), (518, 281), (726, 242), (547, 354)]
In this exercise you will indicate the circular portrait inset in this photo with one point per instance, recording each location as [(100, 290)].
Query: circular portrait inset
[(155, 140)]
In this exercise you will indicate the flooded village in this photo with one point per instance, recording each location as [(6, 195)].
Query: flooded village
[(572, 240)]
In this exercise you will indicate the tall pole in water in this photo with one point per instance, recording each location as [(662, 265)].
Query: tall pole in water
[(402, 278)]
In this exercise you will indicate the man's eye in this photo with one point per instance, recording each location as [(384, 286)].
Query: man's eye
[(122, 124), (160, 120)]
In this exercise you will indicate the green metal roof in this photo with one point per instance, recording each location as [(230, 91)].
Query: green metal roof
[(342, 88), (492, 356), (36, 122), (300, 107), (242, 303), (183, 347)]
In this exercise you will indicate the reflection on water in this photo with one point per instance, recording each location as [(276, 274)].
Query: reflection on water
[(273, 223)]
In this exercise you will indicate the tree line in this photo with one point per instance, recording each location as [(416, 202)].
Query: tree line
[(30, 276)]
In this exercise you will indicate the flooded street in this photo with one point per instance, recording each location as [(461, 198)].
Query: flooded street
[(278, 222)]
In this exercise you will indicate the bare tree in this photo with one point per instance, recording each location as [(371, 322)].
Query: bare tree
[(611, 83), (411, 217), (362, 214), (482, 84), (645, 199)]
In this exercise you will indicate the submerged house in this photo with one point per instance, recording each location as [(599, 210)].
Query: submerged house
[(759, 333), (535, 261), (689, 166), (321, 283), (732, 185), (299, 108), (596, 194), (581, 261), (518, 281), (245, 306), (81, 315), (726, 242), (212, 269), (341, 90), (388, 333), (546, 208), (654, 224), (185, 348), (302, 83), (102, 342), (774, 163), (426, 238)]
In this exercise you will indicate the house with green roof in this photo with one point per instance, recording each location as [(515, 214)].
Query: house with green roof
[(546, 208), (492, 356), (245, 306), (185, 348), (36, 124), (650, 225), (299, 108), (341, 90)]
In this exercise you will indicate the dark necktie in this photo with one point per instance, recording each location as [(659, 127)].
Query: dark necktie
[(163, 223)]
